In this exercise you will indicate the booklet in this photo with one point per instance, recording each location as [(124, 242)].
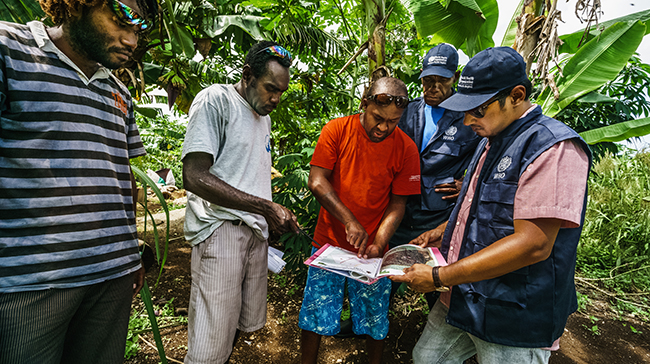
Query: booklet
[(275, 262), (346, 263)]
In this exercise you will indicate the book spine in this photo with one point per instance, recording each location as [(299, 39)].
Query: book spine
[(439, 258)]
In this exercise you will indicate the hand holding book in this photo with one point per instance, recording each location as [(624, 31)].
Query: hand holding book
[(369, 270)]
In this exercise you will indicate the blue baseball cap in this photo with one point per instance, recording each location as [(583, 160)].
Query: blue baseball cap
[(441, 60), (489, 72)]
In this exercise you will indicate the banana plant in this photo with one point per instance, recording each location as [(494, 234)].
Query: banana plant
[(597, 62), (618, 132), (467, 24)]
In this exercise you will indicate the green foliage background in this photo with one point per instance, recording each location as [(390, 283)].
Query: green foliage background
[(614, 250)]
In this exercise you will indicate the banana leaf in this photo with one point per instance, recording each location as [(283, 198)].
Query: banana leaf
[(618, 132), (594, 64), (219, 24), (466, 24), (511, 32), (572, 40)]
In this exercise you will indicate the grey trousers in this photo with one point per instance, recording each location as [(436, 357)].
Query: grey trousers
[(73, 325)]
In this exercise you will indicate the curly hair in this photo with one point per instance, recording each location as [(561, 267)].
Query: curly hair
[(61, 11), (258, 60)]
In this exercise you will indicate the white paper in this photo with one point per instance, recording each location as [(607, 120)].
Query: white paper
[(276, 264)]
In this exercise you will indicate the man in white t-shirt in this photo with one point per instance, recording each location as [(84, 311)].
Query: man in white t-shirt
[(227, 171)]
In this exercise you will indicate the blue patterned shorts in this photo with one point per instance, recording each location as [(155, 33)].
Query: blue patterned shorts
[(323, 302)]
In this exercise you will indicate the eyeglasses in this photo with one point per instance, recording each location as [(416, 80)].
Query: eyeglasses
[(277, 51), (479, 111), (386, 99), (128, 16)]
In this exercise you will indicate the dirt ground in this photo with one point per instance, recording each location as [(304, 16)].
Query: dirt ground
[(613, 341)]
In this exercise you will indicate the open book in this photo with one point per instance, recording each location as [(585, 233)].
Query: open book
[(346, 263)]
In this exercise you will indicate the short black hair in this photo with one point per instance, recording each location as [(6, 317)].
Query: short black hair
[(389, 83), (502, 95), (258, 60)]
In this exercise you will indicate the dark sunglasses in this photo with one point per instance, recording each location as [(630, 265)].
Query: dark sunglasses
[(277, 51), (386, 99), (128, 16), (479, 111)]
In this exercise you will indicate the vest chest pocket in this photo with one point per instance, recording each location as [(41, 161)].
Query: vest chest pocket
[(495, 210), (441, 146)]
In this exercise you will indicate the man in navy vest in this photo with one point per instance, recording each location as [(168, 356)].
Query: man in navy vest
[(445, 145), (511, 240)]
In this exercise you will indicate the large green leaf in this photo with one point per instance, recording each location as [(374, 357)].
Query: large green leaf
[(20, 11), (467, 24), (597, 62), (213, 27), (572, 40), (594, 97), (484, 38), (618, 132), (181, 38), (511, 32)]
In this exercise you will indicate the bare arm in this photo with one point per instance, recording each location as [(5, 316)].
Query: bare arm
[(387, 227), (325, 194), (431, 237), (198, 180), (531, 242)]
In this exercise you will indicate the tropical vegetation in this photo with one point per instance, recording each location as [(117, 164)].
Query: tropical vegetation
[(591, 79)]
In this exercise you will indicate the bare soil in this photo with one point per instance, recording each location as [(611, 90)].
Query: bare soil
[(613, 341)]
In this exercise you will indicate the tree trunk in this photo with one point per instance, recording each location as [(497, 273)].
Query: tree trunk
[(375, 23), (529, 28)]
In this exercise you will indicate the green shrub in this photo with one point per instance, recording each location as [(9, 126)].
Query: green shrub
[(139, 323), (163, 138), (292, 192), (615, 242)]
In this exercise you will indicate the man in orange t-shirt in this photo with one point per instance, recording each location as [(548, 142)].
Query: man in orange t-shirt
[(362, 171)]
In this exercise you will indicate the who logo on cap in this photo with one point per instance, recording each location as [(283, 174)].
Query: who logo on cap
[(489, 72), (441, 60)]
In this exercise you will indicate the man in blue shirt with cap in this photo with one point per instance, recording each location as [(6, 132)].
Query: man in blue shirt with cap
[(511, 240), (445, 144)]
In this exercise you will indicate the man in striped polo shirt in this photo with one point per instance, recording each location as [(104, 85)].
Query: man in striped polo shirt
[(69, 262)]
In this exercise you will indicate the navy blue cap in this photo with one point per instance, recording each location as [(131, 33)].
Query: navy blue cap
[(490, 71), (441, 60)]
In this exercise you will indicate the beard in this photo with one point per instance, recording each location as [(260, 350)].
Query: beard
[(92, 43)]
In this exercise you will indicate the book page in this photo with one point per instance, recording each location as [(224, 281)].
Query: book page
[(340, 259), (405, 256)]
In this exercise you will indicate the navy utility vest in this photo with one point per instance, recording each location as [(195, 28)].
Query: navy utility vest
[(445, 157), (530, 306)]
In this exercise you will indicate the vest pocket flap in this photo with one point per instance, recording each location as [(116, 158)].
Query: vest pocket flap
[(503, 192), (447, 148)]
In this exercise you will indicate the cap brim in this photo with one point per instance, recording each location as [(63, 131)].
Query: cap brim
[(437, 71), (464, 102)]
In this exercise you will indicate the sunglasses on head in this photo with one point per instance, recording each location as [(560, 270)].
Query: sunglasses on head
[(479, 111), (386, 99), (277, 51), (128, 16)]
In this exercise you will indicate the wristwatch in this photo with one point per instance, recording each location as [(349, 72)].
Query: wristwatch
[(436, 280)]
